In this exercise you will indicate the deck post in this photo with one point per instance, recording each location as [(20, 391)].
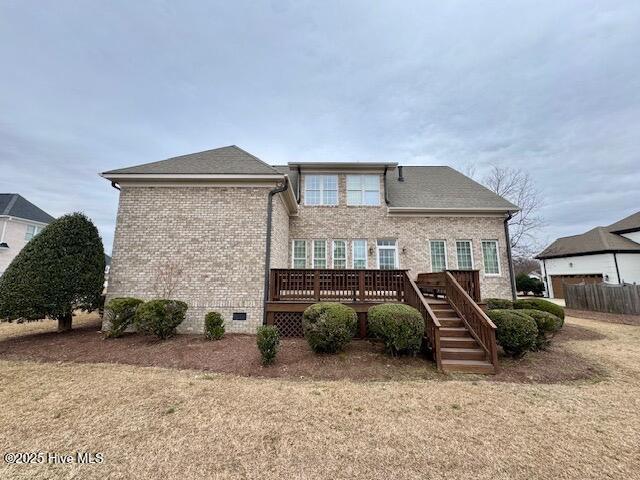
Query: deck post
[(362, 323), (316, 285), (361, 285)]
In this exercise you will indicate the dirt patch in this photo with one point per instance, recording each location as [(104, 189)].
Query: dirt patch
[(604, 317), (238, 355)]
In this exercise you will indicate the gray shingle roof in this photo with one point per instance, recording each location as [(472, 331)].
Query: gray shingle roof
[(596, 240), (15, 205), (630, 223), (231, 160)]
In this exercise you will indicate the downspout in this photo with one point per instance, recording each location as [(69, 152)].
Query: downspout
[(115, 185), (508, 241), (615, 260), (384, 183), (267, 256), (546, 278), (298, 186)]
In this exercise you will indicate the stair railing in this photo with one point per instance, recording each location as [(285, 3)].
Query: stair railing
[(413, 297), (479, 325)]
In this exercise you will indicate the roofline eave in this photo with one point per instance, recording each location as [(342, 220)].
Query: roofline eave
[(582, 254), (451, 210)]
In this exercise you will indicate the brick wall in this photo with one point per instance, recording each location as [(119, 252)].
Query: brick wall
[(216, 236), (412, 235)]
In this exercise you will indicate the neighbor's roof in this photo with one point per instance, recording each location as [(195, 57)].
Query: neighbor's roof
[(15, 205), (231, 160), (627, 224), (596, 240)]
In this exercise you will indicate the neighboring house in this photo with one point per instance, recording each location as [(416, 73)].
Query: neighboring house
[(603, 254), (195, 228), (20, 221)]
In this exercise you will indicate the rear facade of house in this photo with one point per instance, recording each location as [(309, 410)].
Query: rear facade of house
[(195, 228)]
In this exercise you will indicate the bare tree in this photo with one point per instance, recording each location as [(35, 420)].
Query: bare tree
[(517, 186), (166, 279)]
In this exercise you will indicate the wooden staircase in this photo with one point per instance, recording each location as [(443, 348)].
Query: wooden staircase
[(459, 350)]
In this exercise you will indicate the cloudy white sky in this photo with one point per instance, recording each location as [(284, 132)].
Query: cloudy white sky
[(549, 86)]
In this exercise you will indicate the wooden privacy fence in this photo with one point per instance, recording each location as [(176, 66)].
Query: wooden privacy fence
[(603, 297)]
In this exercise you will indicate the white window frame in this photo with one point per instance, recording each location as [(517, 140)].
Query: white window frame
[(322, 191), (293, 252), (446, 260), (363, 190), (484, 266), (333, 254), (387, 247), (313, 254), (470, 242), (353, 253), (36, 230)]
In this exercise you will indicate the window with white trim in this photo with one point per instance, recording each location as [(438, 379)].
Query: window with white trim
[(387, 254), (32, 231), (465, 254), (490, 257), (438, 255), (299, 257), (321, 190), (339, 256), (363, 190), (319, 254), (359, 253)]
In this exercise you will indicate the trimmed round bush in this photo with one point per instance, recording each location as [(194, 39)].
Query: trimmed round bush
[(213, 326), (399, 326), (268, 340), (543, 305), (498, 303), (120, 312), (329, 327), (516, 332), (160, 317), (547, 323)]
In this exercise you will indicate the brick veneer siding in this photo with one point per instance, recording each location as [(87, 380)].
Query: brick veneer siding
[(279, 234), (216, 235), (412, 235)]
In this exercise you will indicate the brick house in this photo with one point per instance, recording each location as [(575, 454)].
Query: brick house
[(206, 228)]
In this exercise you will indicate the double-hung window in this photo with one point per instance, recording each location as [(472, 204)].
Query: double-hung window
[(339, 256), (321, 190), (299, 254), (438, 255), (319, 254), (32, 231), (363, 190), (387, 255), (490, 257), (465, 255), (359, 253)]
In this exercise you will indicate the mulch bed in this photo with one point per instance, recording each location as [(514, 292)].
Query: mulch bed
[(238, 355), (603, 316)]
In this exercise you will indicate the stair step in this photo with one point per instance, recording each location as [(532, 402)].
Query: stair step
[(454, 332), (450, 322), (436, 301), (458, 342), (468, 366), (463, 353)]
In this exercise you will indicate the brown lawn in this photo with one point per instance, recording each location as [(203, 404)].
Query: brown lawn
[(155, 422)]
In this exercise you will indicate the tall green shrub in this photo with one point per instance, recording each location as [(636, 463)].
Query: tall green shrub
[(160, 317), (119, 313), (329, 327), (58, 271), (399, 326)]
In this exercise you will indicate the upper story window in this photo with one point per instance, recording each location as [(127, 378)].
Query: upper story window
[(321, 190), (490, 257), (363, 190), (32, 231), (465, 255), (438, 255)]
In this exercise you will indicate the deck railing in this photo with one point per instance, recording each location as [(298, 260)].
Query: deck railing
[(315, 285), (414, 297), (480, 326), (469, 280)]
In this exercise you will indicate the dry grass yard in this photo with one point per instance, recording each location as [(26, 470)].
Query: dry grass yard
[(164, 423)]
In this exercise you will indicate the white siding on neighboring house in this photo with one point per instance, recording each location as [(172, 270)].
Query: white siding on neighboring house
[(601, 263), (629, 265), (13, 232), (635, 236)]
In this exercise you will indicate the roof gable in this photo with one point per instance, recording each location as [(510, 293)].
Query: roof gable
[(627, 224), (596, 240), (231, 160), (15, 205)]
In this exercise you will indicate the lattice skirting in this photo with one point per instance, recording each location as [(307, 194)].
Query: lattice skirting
[(289, 324)]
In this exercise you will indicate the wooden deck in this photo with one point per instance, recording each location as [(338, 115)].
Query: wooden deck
[(454, 348)]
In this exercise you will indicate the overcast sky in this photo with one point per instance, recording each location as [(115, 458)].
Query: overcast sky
[(552, 87)]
